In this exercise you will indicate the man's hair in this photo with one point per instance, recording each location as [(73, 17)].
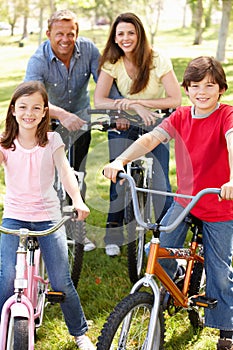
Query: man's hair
[(63, 15), (203, 66)]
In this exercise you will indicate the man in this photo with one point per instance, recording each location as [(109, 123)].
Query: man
[(65, 63)]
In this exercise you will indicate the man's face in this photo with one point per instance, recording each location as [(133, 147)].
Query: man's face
[(62, 36)]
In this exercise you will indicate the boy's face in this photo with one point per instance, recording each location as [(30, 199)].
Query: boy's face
[(204, 95)]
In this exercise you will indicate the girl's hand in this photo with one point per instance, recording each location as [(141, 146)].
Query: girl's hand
[(112, 169), (227, 191), (82, 211)]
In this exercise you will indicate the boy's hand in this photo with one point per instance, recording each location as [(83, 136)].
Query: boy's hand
[(112, 169), (227, 191)]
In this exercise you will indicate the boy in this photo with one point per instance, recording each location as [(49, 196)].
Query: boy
[(203, 135)]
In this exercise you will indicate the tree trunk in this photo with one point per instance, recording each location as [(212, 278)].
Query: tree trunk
[(223, 31), (198, 23)]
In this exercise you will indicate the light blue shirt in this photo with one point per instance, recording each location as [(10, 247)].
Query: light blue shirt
[(67, 89)]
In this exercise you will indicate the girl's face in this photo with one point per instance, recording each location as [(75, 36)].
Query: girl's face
[(204, 95), (126, 37), (29, 110)]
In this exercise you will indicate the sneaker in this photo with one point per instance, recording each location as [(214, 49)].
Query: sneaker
[(112, 250), (225, 344), (88, 245), (84, 343)]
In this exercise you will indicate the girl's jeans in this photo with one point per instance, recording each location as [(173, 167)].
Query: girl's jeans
[(218, 251), (55, 255)]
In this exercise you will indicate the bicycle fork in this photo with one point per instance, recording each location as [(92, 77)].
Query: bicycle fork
[(18, 305)]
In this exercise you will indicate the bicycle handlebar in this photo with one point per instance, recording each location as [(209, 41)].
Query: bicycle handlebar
[(179, 219), (29, 233)]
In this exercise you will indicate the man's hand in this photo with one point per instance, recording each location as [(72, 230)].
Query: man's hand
[(72, 122)]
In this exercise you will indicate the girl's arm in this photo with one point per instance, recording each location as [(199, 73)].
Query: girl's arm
[(70, 182), (1, 157), (139, 148), (227, 188)]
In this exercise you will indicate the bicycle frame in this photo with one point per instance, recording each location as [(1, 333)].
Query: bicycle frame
[(156, 252), (24, 302)]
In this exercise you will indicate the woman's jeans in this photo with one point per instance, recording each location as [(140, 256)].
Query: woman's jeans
[(218, 251), (55, 255), (118, 142)]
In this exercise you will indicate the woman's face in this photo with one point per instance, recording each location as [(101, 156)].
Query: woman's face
[(126, 37)]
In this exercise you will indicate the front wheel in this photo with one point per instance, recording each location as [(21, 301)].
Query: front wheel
[(17, 335), (127, 326)]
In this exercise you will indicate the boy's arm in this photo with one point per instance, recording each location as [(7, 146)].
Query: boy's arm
[(139, 148), (227, 188)]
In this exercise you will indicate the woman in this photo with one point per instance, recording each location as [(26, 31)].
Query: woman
[(147, 82)]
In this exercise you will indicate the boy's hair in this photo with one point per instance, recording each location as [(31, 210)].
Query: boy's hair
[(63, 15), (11, 125), (201, 66)]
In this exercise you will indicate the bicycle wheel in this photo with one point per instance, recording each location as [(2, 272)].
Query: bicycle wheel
[(75, 232), (127, 325), (17, 335), (135, 234), (197, 285)]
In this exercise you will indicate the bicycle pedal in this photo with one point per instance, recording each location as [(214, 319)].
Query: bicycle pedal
[(203, 301), (55, 297)]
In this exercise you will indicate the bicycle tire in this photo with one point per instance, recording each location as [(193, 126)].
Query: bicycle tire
[(21, 333), (196, 317), (135, 240), (75, 232), (140, 303)]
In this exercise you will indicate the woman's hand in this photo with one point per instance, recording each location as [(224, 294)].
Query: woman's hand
[(112, 169)]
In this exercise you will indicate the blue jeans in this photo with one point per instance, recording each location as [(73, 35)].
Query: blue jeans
[(55, 255), (118, 142), (218, 252)]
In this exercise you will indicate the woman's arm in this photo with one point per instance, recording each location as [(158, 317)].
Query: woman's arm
[(172, 98), (70, 182), (102, 90)]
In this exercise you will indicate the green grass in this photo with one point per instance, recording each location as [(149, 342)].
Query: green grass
[(105, 281)]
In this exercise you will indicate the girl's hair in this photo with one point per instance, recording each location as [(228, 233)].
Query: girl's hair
[(203, 66), (11, 125), (142, 53), (63, 15)]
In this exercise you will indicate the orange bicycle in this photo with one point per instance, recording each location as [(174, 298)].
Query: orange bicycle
[(137, 322)]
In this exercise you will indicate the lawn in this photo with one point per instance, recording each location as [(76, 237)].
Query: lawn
[(105, 281)]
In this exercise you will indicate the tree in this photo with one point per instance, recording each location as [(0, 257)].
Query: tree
[(223, 30)]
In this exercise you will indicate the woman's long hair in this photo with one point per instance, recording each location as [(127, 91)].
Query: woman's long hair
[(11, 125), (142, 57)]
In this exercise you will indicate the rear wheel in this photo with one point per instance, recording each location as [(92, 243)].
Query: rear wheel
[(75, 232), (197, 286), (127, 326)]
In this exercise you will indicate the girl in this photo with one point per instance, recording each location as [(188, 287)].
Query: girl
[(30, 153)]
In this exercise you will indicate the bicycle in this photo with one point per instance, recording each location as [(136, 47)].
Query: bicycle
[(137, 322), (141, 171), (23, 312)]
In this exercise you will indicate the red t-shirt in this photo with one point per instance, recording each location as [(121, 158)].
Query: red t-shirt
[(202, 158)]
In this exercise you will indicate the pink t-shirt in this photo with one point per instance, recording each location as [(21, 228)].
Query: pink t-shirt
[(29, 179), (202, 157)]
